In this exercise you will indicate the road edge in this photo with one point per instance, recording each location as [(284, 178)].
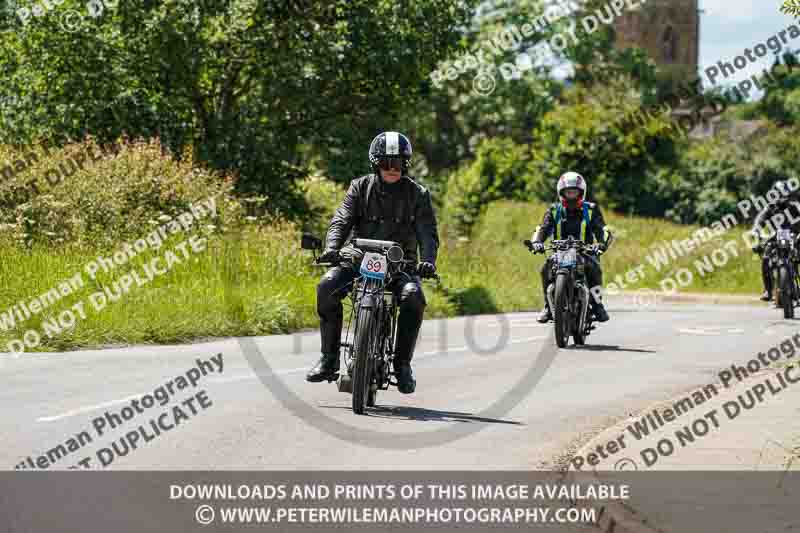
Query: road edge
[(617, 517), (695, 297)]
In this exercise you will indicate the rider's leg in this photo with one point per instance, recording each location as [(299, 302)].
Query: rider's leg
[(411, 301), (546, 314), (766, 278), (594, 275), (331, 290)]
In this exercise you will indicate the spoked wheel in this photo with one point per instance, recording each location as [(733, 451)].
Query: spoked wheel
[(786, 284), (561, 314), (362, 354), (371, 396)]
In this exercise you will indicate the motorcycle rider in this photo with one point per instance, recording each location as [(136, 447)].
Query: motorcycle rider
[(385, 205), (789, 208), (573, 216)]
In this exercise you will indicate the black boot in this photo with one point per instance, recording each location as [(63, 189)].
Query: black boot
[(406, 383), (545, 316), (600, 313), (326, 368)]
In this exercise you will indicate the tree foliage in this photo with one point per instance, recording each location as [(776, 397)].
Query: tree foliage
[(253, 86)]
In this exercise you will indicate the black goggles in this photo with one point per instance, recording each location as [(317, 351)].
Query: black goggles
[(390, 163)]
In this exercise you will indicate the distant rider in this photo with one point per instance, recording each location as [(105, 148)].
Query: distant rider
[(789, 208), (582, 220), (385, 205)]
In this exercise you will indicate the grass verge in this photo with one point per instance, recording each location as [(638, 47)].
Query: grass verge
[(261, 283)]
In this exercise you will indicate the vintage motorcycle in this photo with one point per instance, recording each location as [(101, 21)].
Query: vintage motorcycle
[(569, 296), (373, 316), (783, 259)]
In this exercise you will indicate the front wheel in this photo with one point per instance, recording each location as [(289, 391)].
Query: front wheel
[(362, 358), (785, 284), (561, 312)]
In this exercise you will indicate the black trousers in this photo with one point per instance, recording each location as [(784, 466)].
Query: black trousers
[(594, 275), (335, 285), (766, 275)]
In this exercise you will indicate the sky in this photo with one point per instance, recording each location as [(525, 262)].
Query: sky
[(727, 27)]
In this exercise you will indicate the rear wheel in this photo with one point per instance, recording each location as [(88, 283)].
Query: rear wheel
[(561, 315), (362, 359), (785, 284)]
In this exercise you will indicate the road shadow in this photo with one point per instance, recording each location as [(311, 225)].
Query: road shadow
[(421, 414), (607, 348), (470, 300)]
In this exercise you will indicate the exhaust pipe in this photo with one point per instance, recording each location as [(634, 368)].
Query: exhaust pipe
[(551, 291), (585, 306)]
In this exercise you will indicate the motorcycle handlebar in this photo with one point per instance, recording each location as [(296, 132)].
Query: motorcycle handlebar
[(556, 245), (414, 267)]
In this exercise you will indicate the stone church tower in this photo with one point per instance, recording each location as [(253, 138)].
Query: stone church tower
[(669, 30)]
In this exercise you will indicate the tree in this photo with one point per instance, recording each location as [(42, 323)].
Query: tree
[(791, 7), (254, 86)]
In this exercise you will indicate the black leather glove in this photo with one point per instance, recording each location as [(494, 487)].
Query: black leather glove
[(537, 247), (598, 249), (426, 270), (352, 255), (329, 256)]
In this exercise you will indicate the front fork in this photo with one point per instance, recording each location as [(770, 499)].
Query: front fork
[(574, 286)]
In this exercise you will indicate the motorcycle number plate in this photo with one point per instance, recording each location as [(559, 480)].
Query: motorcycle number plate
[(568, 259), (784, 235), (374, 266)]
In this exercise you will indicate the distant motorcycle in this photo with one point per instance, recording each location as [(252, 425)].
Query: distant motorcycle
[(569, 296), (368, 358), (783, 260)]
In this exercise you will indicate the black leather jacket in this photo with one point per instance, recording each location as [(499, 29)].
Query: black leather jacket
[(400, 212), (571, 224)]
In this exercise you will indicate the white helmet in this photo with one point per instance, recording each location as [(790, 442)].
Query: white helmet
[(571, 180)]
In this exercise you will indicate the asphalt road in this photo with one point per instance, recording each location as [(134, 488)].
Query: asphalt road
[(641, 356)]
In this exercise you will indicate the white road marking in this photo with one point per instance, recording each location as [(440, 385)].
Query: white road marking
[(711, 330), (234, 379), (87, 409)]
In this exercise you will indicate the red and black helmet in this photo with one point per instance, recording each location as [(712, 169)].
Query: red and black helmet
[(571, 180)]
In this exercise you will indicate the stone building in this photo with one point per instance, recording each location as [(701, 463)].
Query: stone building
[(669, 30)]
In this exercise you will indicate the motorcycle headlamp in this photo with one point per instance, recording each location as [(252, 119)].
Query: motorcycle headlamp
[(395, 254)]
